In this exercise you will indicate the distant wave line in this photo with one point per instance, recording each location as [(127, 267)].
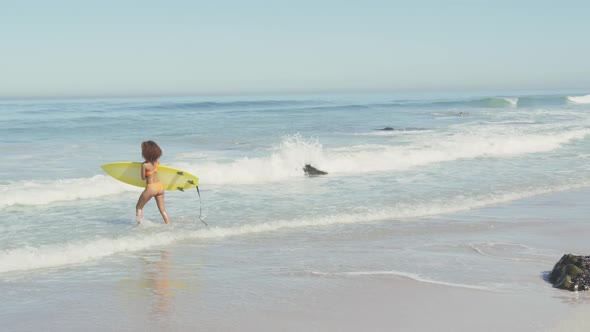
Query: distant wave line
[(326, 104)]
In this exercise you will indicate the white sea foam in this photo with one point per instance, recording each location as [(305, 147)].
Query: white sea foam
[(76, 252), (412, 276), (579, 99), (47, 191), (511, 251), (513, 101)]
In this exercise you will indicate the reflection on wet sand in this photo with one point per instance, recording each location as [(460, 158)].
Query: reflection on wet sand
[(157, 276), (157, 286)]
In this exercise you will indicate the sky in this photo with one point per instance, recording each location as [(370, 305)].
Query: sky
[(157, 48)]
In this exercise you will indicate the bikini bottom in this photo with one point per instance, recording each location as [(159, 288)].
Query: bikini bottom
[(159, 186)]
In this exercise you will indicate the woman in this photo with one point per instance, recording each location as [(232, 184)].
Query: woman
[(151, 152)]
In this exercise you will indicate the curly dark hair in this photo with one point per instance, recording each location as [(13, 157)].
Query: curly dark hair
[(150, 151)]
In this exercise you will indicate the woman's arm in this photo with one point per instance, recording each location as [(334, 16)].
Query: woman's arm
[(143, 171)]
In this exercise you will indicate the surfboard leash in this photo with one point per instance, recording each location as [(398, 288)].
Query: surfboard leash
[(200, 201), (200, 207)]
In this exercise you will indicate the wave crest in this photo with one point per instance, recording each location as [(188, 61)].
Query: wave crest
[(30, 193), (494, 102), (579, 99)]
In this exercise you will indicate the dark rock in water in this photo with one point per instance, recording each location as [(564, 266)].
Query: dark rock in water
[(312, 171), (572, 273), (401, 129)]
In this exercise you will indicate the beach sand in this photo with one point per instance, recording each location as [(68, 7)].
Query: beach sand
[(365, 304), (408, 305)]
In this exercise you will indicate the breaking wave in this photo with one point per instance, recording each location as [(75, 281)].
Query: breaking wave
[(579, 99), (287, 160), (294, 152)]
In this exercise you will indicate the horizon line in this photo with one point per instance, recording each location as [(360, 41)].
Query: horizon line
[(281, 93)]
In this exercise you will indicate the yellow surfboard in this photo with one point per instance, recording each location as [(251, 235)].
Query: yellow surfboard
[(172, 178)]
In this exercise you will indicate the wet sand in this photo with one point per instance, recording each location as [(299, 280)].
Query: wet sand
[(399, 304)]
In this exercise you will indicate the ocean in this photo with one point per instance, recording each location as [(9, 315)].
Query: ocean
[(434, 188)]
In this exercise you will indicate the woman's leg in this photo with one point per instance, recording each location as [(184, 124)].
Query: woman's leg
[(143, 199), (162, 208)]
